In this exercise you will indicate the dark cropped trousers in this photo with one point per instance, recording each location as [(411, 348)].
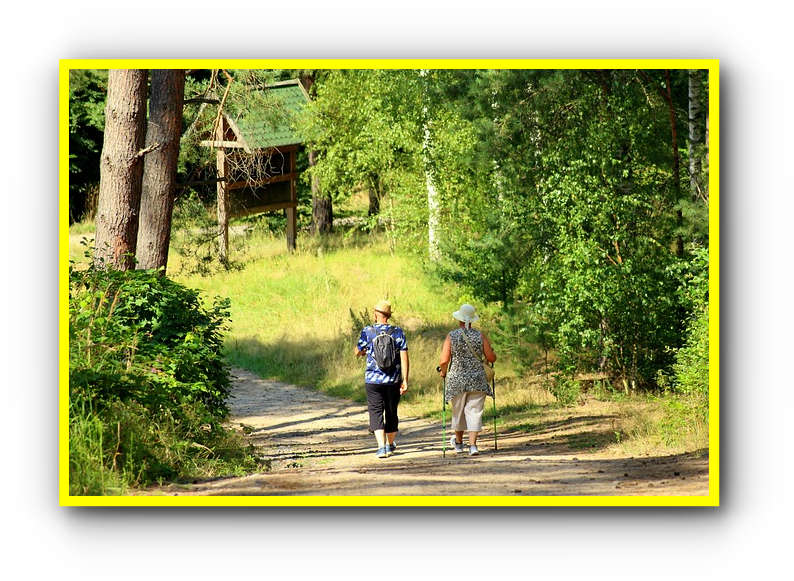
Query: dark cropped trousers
[(382, 403)]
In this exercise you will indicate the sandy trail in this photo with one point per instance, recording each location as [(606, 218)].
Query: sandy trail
[(319, 445)]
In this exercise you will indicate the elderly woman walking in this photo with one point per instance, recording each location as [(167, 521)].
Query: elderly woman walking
[(461, 363)]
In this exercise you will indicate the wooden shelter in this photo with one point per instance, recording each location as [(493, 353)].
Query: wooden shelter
[(256, 162)]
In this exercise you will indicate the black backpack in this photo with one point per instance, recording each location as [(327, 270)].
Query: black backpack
[(384, 349)]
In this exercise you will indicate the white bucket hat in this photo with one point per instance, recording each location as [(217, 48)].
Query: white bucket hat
[(467, 314)]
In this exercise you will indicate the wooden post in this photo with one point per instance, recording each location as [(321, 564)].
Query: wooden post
[(292, 211), (223, 199)]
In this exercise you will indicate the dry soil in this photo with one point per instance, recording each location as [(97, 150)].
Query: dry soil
[(320, 445)]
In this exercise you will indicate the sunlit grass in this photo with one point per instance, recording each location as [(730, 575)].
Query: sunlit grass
[(296, 317)]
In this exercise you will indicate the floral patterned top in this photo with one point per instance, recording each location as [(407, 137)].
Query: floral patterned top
[(465, 372)]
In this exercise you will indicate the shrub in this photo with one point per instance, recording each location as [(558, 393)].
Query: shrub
[(691, 367), (147, 383), (136, 335)]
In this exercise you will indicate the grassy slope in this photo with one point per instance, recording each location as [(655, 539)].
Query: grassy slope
[(291, 320), (297, 317)]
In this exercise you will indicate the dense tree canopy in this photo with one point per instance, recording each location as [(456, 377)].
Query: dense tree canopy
[(563, 195)]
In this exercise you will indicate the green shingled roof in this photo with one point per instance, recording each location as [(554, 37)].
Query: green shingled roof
[(290, 97)]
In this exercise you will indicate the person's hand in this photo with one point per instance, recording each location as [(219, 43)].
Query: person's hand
[(403, 387)]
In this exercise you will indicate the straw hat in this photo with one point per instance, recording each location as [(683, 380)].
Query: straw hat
[(384, 307), (466, 314)]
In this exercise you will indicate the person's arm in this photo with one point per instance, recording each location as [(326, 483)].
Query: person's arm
[(404, 367), (360, 349), (446, 356), (490, 356)]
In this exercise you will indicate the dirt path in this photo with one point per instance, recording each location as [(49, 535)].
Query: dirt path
[(320, 445)]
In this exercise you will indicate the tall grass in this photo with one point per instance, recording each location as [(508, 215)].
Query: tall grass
[(89, 473), (297, 317)]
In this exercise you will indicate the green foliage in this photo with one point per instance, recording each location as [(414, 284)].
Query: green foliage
[(366, 127), (565, 390), (88, 473), (691, 367), (195, 238), (516, 335), (126, 445), (137, 335), (683, 421), (147, 382), (556, 192), (87, 94), (562, 199)]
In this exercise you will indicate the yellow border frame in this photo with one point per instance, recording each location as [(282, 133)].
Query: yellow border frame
[(64, 499)]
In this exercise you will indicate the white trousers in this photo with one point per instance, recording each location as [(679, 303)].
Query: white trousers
[(467, 411)]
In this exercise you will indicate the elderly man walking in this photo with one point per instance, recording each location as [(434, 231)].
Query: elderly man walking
[(386, 377)]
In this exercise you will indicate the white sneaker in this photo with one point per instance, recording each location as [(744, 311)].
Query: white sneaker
[(455, 445), (473, 451)]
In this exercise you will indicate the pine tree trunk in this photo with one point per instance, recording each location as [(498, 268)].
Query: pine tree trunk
[(121, 169), (678, 243), (160, 167)]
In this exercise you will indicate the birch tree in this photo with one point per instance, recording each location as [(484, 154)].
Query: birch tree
[(695, 141), (432, 196)]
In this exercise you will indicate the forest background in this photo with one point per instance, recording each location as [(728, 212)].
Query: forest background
[(563, 198)]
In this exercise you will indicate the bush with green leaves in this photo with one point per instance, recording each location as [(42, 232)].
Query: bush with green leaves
[(147, 383), (137, 335), (691, 367)]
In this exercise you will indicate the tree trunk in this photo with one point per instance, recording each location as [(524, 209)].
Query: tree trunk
[(374, 198), (432, 217), (695, 136), (222, 169), (121, 169), (322, 206), (678, 244), (432, 196), (160, 166)]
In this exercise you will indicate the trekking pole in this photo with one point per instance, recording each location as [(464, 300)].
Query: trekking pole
[(443, 416), (493, 389)]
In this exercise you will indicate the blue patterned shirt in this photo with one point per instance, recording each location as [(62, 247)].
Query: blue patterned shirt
[(374, 374)]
